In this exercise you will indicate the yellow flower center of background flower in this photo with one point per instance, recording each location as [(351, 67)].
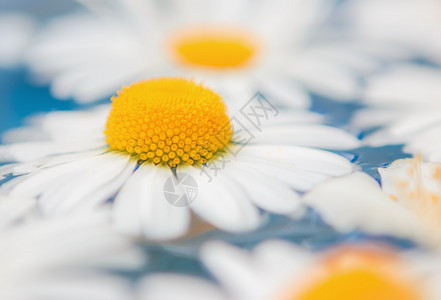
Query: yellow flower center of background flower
[(360, 275), (168, 121), (359, 284), (214, 48)]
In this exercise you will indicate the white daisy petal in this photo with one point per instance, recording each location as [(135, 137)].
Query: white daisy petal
[(141, 207), (78, 286), (100, 184), (299, 29), (314, 135), (417, 123), (50, 161), (32, 182), (296, 178), (24, 152), (341, 205), (426, 143), (293, 116), (271, 256), (74, 55), (65, 258), (264, 191), (405, 99), (67, 242), (405, 85), (287, 94), (223, 203), (374, 117), (332, 81), (347, 55), (232, 267), (14, 209), (61, 125), (84, 85), (101, 181), (277, 262), (301, 168), (407, 128), (415, 27), (174, 286), (53, 184)]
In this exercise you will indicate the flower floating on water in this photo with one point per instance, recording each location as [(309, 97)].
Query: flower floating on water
[(73, 256), (158, 130), (415, 29), (279, 270), (237, 47), (404, 102), (407, 205)]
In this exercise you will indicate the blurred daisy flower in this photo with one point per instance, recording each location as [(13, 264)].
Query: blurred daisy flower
[(236, 47), (406, 206), (280, 270), (413, 25), (404, 103), (160, 131), (71, 256)]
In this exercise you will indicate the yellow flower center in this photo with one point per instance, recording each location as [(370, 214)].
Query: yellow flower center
[(359, 284), (217, 48), (360, 275), (168, 121)]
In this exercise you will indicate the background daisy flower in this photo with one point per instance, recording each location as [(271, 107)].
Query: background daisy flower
[(280, 270), (406, 205), (403, 104), (66, 256), (413, 25), (154, 129), (237, 47)]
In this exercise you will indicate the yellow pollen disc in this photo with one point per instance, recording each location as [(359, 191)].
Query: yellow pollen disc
[(360, 275), (214, 48), (359, 284), (168, 121)]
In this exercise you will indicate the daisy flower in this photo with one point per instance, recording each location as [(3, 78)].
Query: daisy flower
[(159, 132), (280, 270), (237, 47), (411, 24), (407, 205), (53, 259), (404, 102)]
